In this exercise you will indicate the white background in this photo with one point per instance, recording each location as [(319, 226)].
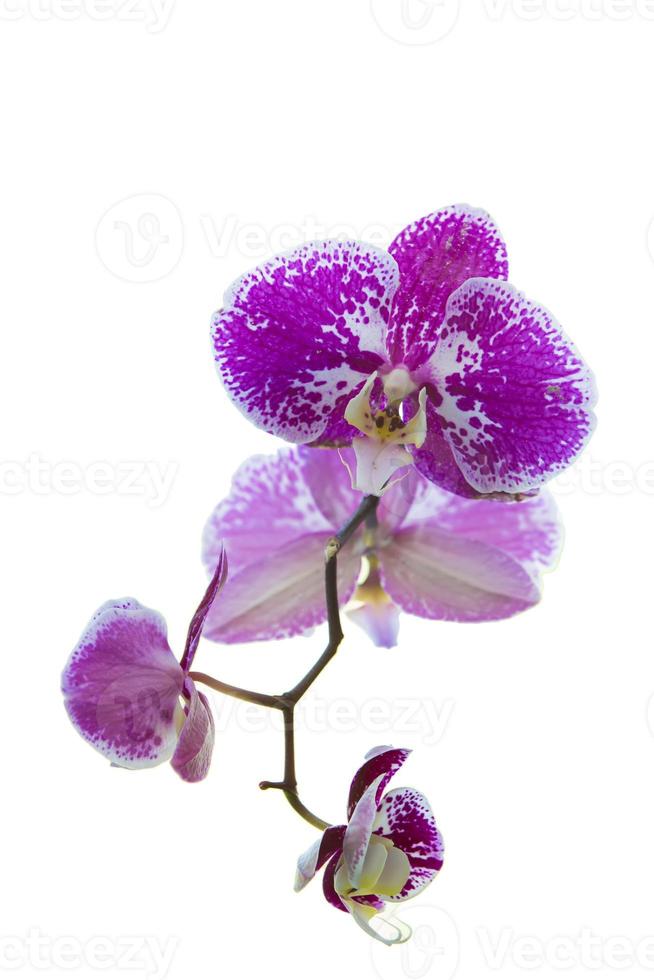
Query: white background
[(237, 127)]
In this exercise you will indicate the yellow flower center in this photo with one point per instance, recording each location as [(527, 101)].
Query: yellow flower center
[(387, 425)]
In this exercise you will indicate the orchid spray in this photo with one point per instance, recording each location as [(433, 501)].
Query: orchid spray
[(428, 403)]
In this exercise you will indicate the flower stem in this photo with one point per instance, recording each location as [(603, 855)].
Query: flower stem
[(366, 513), (267, 700)]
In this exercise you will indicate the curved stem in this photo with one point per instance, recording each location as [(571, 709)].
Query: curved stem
[(365, 513), (305, 813), (267, 700)]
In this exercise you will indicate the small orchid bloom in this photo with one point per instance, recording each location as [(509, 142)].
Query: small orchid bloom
[(507, 399), (431, 553), (389, 851), (127, 695)]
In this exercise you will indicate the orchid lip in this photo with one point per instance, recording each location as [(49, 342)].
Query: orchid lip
[(387, 425)]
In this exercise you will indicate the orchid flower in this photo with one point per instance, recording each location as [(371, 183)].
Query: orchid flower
[(502, 400), (389, 851), (431, 553), (127, 695)]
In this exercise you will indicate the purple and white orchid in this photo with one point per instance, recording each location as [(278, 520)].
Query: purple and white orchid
[(431, 553), (421, 373), (422, 353), (127, 695), (389, 850)]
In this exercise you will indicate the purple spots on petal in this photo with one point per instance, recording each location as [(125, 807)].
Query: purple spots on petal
[(436, 255), (274, 524), (122, 685), (299, 333), (405, 817), (509, 373), (385, 764)]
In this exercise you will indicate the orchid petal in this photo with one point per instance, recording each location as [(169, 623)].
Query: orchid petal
[(282, 594), (380, 620), (195, 629), (379, 768), (373, 866), (372, 901), (269, 505), (405, 817), (364, 915), (396, 501), (357, 835), (122, 686), (275, 523), (393, 505), (516, 397), (528, 530), (439, 575), (435, 459), (436, 255), (321, 472), (316, 855), (328, 886), (276, 499), (296, 335), (395, 873), (376, 463), (192, 757)]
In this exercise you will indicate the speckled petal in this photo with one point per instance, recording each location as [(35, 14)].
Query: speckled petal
[(268, 506), (297, 335), (122, 685), (276, 499), (379, 768), (275, 523), (280, 595), (405, 817), (439, 575), (192, 757), (436, 461), (316, 855), (529, 530), (436, 255), (516, 397)]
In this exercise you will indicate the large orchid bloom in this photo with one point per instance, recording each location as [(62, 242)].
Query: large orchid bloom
[(127, 695), (389, 851), (434, 554), (421, 353)]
